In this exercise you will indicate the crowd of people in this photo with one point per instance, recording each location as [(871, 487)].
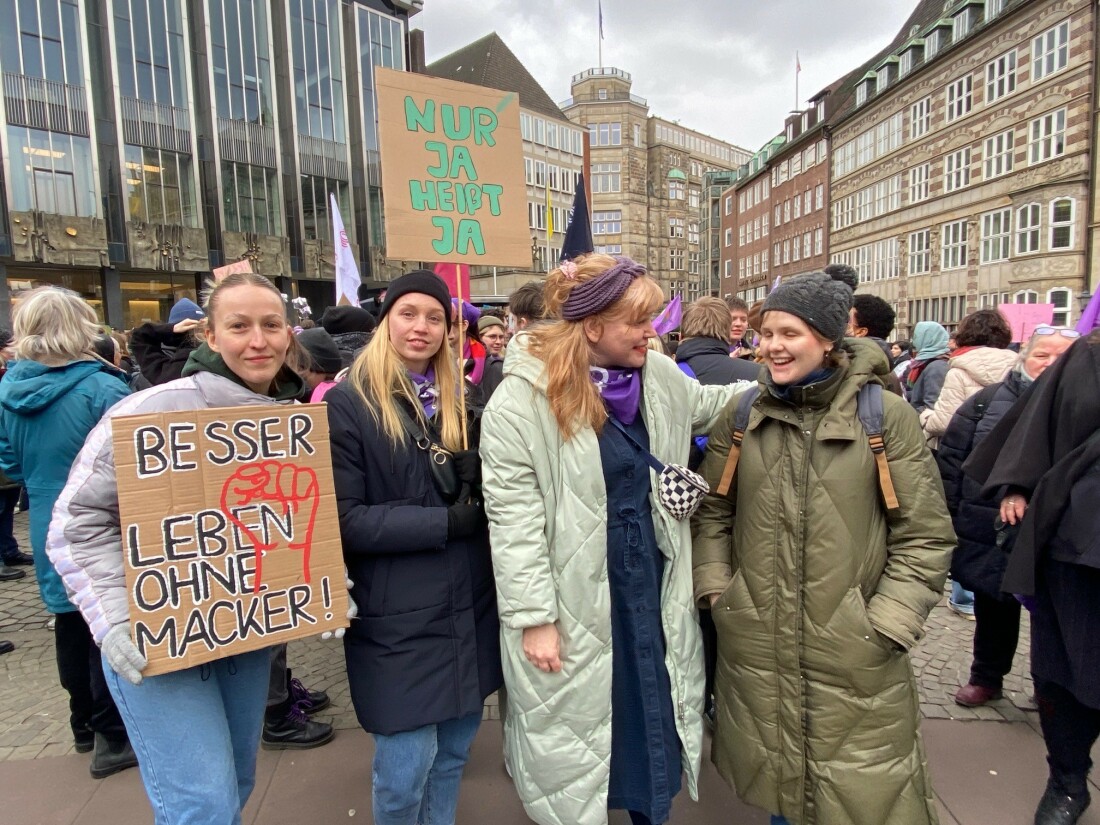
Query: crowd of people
[(626, 546)]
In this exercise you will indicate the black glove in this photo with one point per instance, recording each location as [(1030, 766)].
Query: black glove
[(463, 520), (468, 466)]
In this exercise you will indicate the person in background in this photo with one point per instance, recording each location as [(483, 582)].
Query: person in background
[(465, 319), (493, 336), (602, 656), (11, 557), (126, 361), (324, 362), (738, 327), (425, 652), (50, 399), (980, 360), (350, 327), (901, 353), (162, 350), (928, 366), (978, 564), (817, 591), (871, 317), (1041, 461), (196, 730)]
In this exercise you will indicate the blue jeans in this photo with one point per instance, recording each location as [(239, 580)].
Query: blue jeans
[(416, 773), (779, 820), (195, 733)]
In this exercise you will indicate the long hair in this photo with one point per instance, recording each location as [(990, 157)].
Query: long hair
[(296, 357), (380, 379), (54, 326), (563, 347)]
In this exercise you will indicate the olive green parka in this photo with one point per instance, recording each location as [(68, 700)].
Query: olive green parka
[(822, 593)]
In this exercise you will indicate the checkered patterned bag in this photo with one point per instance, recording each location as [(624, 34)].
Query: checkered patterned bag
[(679, 489)]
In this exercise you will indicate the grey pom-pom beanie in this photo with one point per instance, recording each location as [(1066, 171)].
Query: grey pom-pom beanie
[(822, 301)]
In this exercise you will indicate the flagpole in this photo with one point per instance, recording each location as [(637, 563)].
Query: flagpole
[(461, 359), (599, 29), (797, 70)]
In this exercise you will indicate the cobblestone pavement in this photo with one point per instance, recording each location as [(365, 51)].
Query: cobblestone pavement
[(34, 708)]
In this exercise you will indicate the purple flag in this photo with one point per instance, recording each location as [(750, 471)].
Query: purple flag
[(1089, 316), (669, 318)]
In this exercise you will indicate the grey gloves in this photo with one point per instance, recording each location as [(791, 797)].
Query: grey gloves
[(122, 654)]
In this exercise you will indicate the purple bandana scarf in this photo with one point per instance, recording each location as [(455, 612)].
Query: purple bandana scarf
[(426, 391), (621, 391)]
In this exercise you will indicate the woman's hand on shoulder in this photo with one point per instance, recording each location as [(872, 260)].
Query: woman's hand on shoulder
[(542, 647)]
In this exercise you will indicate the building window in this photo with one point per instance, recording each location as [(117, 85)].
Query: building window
[(954, 245), (1026, 296), (1061, 223), (996, 231), (1060, 297), (729, 204), (807, 202), (158, 187), (742, 234), (251, 198), (959, 98), (1028, 218), (764, 224), (602, 93), (993, 8), (807, 245), (756, 229), (776, 247), (1047, 136), (956, 170), (693, 233), (787, 210), (676, 260), (920, 117), (728, 240), (764, 260), (861, 95), (905, 65), (693, 263), (796, 249), (778, 215), (998, 154), (605, 134), (819, 196), (693, 198), (819, 235), (676, 227), (920, 252), (918, 182), (797, 207), (787, 251), (960, 25), (606, 177), (607, 223), (1000, 77), (1050, 52)]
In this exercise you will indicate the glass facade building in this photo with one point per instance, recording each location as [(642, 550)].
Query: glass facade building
[(145, 142)]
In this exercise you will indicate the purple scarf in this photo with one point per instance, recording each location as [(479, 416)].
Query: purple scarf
[(621, 391), (426, 391)]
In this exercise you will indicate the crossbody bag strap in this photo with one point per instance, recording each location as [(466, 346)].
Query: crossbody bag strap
[(650, 459), (420, 438)]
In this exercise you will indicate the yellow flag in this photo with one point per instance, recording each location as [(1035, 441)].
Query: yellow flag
[(549, 213)]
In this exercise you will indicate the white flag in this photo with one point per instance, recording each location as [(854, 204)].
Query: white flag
[(347, 270)]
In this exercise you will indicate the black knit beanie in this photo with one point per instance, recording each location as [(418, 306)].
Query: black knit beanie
[(422, 281), (822, 301), (339, 320), (322, 349)]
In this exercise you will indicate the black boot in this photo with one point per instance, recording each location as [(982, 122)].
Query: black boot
[(292, 729), (83, 739), (1059, 808), (310, 701), (111, 757)]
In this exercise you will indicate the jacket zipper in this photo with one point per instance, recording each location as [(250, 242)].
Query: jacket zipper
[(807, 437)]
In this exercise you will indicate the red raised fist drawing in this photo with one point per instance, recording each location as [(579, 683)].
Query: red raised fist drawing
[(284, 496)]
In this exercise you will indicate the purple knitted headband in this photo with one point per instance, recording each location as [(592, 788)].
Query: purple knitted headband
[(599, 293)]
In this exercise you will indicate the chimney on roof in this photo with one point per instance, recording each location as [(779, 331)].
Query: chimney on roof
[(417, 60)]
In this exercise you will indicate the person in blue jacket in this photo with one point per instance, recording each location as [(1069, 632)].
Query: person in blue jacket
[(50, 399)]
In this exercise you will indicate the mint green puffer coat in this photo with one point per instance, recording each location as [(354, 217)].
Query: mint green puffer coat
[(547, 508)]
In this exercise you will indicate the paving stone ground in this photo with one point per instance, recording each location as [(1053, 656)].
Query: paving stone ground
[(34, 708)]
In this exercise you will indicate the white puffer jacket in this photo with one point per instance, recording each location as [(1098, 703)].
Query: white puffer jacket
[(969, 373), (547, 507), (84, 542)]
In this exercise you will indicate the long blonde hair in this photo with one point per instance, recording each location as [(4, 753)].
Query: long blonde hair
[(563, 347), (380, 379)]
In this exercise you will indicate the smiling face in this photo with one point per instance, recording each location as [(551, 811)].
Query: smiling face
[(493, 338), (789, 348), (248, 328), (739, 325), (418, 325), (618, 342)]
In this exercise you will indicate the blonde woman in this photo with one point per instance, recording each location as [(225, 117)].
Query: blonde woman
[(50, 399), (196, 731), (602, 654), (425, 652)]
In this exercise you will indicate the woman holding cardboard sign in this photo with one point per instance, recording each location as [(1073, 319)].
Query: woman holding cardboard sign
[(425, 652), (196, 731)]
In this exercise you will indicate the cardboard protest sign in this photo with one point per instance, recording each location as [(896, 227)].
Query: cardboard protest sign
[(229, 531), (1023, 318), (230, 269), (452, 171)]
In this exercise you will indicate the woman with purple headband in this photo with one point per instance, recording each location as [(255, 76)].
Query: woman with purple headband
[(602, 654)]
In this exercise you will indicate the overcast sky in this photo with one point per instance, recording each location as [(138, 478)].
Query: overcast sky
[(724, 67)]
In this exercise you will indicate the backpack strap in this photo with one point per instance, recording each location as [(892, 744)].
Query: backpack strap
[(686, 369), (740, 424), (982, 399), (869, 407)]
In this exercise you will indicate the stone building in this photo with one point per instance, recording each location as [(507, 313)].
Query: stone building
[(647, 179), (553, 155), (960, 171), (146, 142)]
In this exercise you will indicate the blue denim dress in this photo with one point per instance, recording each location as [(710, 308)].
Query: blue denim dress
[(645, 748)]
